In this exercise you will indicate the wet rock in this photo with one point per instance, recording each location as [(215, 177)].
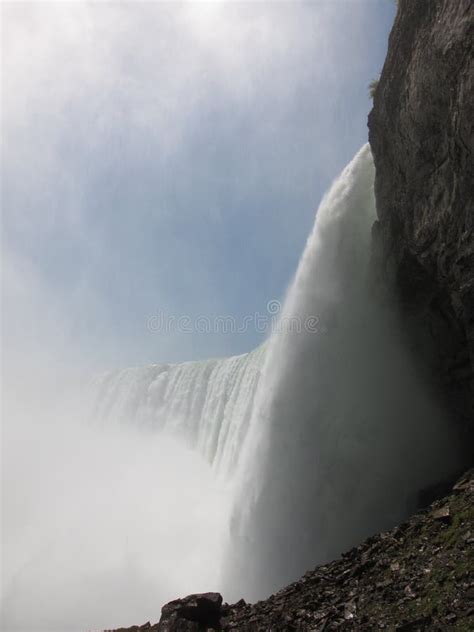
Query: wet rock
[(192, 613), (443, 514)]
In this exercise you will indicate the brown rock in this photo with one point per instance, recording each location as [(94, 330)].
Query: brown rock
[(443, 514)]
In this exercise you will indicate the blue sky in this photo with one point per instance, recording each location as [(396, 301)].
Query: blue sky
[(169, 158)]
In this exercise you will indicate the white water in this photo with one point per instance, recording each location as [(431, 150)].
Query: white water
[(316, 438), (343, 433), (339, 435), (207, 404)]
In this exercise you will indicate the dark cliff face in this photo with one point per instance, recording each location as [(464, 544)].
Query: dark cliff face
[(421, 134)]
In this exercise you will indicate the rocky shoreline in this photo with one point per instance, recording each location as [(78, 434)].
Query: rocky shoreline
[(418, 576)]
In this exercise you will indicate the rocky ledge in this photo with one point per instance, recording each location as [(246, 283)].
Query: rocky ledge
[(419, 576)]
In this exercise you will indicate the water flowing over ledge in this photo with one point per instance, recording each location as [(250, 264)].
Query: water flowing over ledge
[(207, 404), (326, 436)]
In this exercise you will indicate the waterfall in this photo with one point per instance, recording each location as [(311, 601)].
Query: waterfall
[(325, 433), (207, 404), (343, 433)]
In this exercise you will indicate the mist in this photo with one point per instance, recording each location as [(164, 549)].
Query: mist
[(101, 525)]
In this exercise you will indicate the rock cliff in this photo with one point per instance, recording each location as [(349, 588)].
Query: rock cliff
[(421, 134)]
